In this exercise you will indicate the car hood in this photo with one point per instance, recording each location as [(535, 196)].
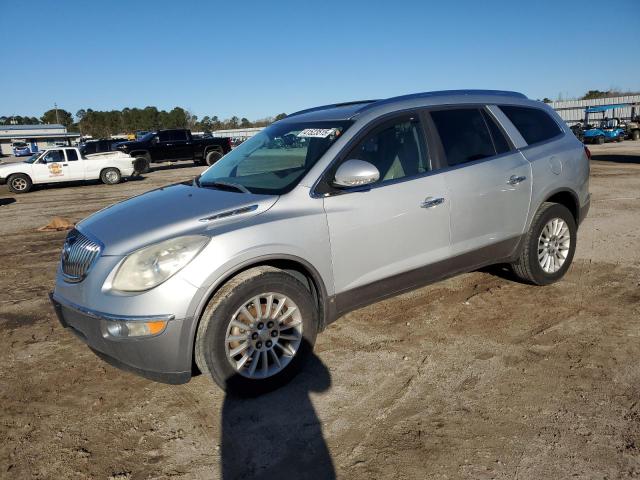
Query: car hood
[(169, 212), (7, 168)]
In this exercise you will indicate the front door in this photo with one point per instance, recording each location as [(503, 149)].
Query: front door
[(51, 167), (390, 231)]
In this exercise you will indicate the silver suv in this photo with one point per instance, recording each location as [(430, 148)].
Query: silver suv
[(321, 213)]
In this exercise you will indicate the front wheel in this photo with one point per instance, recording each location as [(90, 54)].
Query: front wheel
[(110, 176), (19, 183), (600, 140), (256, 332), (549, 246), (635, 135)]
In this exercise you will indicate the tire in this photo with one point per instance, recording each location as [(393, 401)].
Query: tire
[(600, 140), (620, 138), (213, 157), (19, 183), (213, 349), (110, 176), (141, 165), (528, 265), (635, 135)]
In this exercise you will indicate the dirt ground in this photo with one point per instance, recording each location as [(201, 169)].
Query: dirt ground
[(475, 377)]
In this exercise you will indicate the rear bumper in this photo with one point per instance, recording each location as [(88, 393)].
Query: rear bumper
[(160, 358)]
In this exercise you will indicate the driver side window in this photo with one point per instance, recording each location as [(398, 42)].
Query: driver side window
[(397, 149), (53, 156)]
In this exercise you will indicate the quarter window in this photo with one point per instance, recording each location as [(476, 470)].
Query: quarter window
[(464, 135), (534, 124), (397, 150)]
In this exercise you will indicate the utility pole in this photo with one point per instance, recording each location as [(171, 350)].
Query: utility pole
[(55, 105)]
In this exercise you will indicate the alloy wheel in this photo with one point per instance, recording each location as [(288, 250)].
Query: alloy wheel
[(263, 335), (553, 245)]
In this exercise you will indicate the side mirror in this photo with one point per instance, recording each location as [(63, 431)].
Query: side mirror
[(355, 173), (155, 140)]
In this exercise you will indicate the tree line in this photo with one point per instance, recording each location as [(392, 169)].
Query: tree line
[(103, 124)]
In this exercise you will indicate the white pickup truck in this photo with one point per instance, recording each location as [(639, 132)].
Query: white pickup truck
[(65, 164)]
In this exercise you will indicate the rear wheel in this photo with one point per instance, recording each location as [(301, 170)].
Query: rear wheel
[(19, 183), (141, 165), (257, 331), (600, 140), (213, 157), (635, 135), (548, 247), (620, 137), (110, 176)]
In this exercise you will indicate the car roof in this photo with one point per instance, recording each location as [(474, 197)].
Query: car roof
[(351, 110)]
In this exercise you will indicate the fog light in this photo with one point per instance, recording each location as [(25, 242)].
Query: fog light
[(134, 329)]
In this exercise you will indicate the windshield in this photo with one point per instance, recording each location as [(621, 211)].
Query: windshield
[(274, 160), (33, 157), (19, 145)]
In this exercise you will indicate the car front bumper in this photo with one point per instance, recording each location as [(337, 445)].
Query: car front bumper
[(160, 357)]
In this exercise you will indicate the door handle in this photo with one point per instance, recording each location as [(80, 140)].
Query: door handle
[(516, 179), (65, 164), (431, 202)]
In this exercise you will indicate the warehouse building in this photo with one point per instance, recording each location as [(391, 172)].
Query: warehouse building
[(38, 137), (572, 111)]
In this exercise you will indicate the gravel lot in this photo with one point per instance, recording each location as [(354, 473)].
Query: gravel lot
[(475, 377)]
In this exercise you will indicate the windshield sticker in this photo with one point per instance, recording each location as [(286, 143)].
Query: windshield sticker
[(316, 132)]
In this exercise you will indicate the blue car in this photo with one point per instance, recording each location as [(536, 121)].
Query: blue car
[(609, 129), (21, 149)]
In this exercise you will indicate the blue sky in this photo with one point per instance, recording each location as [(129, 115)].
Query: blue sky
[(256, 59)]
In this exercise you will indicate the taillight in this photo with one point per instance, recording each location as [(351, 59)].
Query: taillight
[(587, 152)]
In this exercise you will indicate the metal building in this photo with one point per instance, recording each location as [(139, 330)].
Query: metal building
[(38, 137), (572, 111)]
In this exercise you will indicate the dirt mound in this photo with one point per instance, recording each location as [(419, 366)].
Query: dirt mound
[(57, 224)]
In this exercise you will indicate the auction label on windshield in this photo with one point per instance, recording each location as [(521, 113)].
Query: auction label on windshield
[(316, 132)]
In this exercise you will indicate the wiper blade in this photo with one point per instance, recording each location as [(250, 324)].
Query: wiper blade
[(218, 183)]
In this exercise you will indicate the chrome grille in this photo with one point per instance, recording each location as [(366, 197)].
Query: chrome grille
[(78, 255)]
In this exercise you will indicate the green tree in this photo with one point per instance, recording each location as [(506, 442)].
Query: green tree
[(280, 116), (62, 116)]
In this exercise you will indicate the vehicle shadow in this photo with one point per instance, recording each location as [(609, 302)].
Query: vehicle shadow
[(501, 270), (616, 158), (277, 435), (7, 201), (173, 166)]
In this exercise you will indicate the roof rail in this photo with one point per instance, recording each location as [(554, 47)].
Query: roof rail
[(333, 105), (444, 93)]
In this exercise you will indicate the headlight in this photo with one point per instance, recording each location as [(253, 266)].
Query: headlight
[(152, 265)]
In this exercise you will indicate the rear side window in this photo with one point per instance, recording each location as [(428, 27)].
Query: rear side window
[(71, 155), (535, 125), (464, 135), (499, 140)]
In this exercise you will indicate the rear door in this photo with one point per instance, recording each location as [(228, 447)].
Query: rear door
[(75, 164), (182, 145), (488, 179), (381, 236)]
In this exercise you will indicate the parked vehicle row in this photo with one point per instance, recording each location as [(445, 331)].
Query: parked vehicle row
[(238, 271), (63, 165)]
